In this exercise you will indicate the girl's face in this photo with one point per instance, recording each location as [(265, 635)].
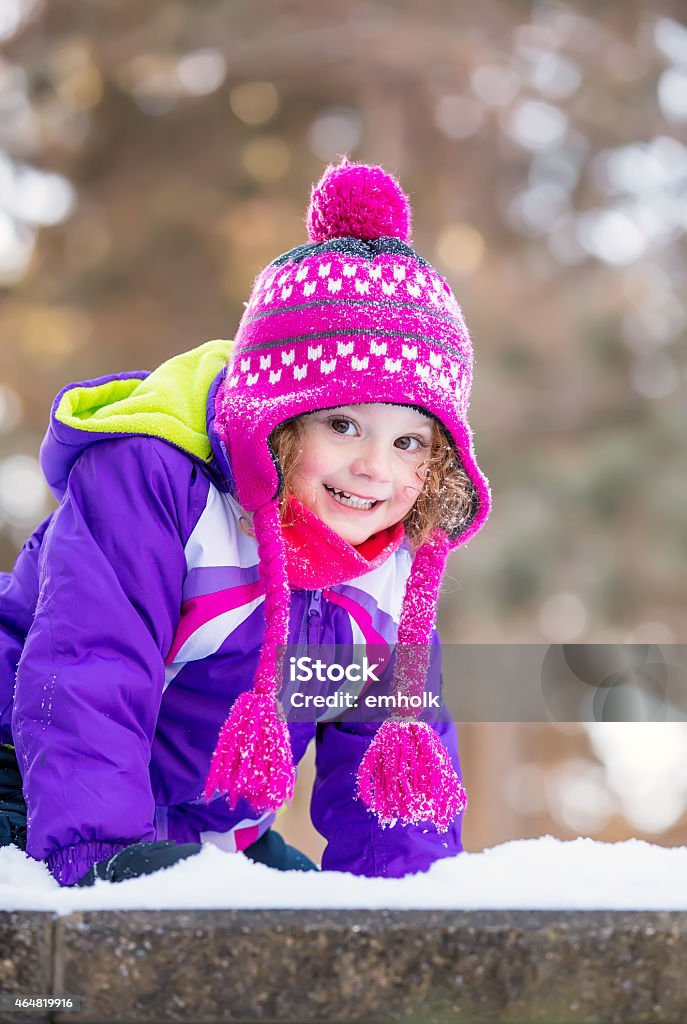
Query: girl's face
[(359, 467)]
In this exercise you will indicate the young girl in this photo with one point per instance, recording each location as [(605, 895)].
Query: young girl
[(306, 484)]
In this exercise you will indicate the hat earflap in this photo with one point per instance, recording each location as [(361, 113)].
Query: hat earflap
[(253, 756), (406, 773)]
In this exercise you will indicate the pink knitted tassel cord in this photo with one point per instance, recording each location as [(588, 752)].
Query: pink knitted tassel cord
[(253, 757), (406, 773), (422, 590)]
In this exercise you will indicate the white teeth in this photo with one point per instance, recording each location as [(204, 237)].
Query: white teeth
[(344, 498)]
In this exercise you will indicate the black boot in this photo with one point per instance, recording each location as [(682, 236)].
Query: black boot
[(270, 849), (12, 805), (139, 859)]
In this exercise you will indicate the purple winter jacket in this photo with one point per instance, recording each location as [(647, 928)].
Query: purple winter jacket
[(135, 616)]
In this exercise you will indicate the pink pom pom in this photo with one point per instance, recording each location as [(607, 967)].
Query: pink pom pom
[(253, 757), (357, 201), (407, 774)]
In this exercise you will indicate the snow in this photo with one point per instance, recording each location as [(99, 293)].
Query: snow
[(543, 874)]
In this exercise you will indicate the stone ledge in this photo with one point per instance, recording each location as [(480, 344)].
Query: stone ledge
[(353, 965), (26, 957)]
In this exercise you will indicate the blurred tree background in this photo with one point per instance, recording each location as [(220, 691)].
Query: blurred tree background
[(154, 157)]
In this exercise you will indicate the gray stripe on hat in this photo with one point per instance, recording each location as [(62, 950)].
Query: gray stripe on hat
[(373, 332), (383, 303)]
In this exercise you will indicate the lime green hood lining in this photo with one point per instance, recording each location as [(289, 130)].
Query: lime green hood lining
[(170, 403)]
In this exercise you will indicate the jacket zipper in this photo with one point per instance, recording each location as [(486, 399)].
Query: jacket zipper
[(314, 617)]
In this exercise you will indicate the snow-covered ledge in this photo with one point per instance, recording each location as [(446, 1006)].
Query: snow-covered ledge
[(529, 931)]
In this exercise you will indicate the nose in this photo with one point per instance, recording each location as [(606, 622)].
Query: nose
[(371, 462)]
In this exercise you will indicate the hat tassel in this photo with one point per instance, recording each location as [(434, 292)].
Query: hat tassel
[(253, 756), (406, 774)]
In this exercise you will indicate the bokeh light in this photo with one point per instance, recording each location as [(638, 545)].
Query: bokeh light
[(536, 125), (577, 796), (458, 117), (672, 94), (14, 14), (652, 800), (16, 247), (23, 490), (10, 409), (38, 198), (611, 235), (335, 132), (495, 85), (266, 159), (202, 72), (562, 617), (254, 103), (461, 248)]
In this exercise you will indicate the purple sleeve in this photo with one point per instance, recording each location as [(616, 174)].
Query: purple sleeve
[(91, 675), (18, 595), (355, 841)]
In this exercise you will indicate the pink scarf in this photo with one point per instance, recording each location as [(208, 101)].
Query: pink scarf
[(317, 557)]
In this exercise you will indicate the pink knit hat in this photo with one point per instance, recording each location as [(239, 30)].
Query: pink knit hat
[(354, 316)]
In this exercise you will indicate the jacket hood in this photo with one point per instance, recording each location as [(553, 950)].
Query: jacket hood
[(174, 403)]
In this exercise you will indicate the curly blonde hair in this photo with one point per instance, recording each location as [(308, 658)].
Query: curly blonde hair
[(446, 498)]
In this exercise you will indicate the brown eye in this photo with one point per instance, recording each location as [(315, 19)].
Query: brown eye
[(341, 425), (407, 444)]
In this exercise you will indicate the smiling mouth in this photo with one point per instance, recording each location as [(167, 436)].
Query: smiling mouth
[(351, 500)]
